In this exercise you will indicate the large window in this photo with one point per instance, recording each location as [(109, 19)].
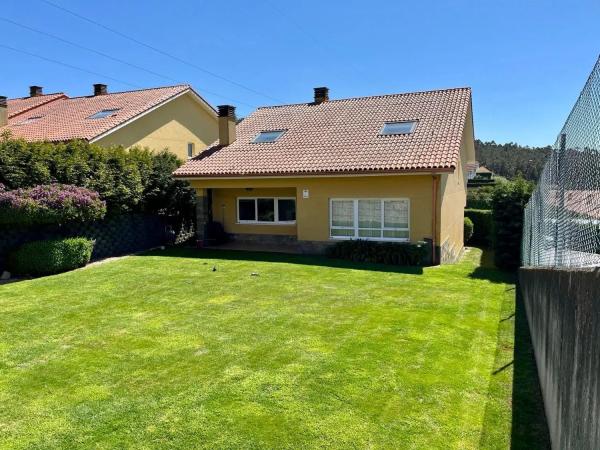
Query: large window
[(372, 219), (267, 210)]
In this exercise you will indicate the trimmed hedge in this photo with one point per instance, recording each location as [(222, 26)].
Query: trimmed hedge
[(468, 229), (134, 180), (482, 226), (480, 197), (51, 256), (508, 204), (53, 204), (396, 253)]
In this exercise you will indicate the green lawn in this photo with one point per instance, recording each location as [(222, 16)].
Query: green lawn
[(160, 351)]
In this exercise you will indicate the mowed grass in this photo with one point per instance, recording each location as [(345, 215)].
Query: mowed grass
[(160, 351)]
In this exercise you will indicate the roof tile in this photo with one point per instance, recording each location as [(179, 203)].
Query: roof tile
[(342, 136), (66, 118)]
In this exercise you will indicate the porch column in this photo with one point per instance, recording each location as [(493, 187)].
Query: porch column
[(202, 213)]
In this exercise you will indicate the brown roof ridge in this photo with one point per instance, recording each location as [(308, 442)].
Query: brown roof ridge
[(38, 96), (399, 94), (187, 86)]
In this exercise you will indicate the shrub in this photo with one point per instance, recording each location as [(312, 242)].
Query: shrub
[(380, 252), (128, 180), (50, 204), (51, 256), (468, 229), (480, 197), (165, 195), (508, 203), (482, 226)]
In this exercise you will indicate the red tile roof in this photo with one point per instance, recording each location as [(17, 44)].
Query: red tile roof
[(343, 136), (69, 118), (18, 106)]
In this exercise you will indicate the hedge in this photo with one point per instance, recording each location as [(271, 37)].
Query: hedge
[(482, 226), (468, 229), (51, 256), (508, 204), (134, 180), (53, 204), (380, 252), (480, 197)]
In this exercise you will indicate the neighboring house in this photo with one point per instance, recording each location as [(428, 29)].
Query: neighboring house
[(484, 173), (472, 170), (173, 117), (384, 168)]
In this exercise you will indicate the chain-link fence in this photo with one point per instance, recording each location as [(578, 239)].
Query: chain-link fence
[(562, 219)]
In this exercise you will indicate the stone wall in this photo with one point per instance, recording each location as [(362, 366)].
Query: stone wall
[(563, 310)]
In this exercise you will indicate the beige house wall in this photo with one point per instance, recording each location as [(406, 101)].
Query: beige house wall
[(312, 213), (452, 198), (171, 126)]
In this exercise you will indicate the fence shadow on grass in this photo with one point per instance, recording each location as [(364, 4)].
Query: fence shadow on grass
[(488, 271), (311, 260), (528, 427)]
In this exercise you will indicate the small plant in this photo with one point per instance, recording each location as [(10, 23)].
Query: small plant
[(396, 253), (468, 229), (53, 204), (51, 256)]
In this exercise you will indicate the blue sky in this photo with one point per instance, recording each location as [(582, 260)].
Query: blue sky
[(525, 60)]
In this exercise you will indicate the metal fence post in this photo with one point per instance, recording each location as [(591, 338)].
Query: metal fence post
[(558, 250)]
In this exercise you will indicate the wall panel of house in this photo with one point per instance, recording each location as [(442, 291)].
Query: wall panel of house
[(453, 199), (172, 127), (312, 213)]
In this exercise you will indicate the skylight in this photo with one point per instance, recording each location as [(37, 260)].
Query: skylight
[(104, 113), (402, 127), (268, 136), (29, 120)]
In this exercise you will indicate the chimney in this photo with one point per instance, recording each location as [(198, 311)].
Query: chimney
[(100, 89), (3, 111), (321, 94), (226, 124), (35, 91)]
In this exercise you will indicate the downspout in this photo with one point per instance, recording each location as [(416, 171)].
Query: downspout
[(434, 194)]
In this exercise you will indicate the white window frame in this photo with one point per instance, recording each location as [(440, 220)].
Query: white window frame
[(356, 227), (192, 146), (259, 222)]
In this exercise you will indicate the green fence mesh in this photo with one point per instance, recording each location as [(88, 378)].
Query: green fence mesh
[(562, 218)]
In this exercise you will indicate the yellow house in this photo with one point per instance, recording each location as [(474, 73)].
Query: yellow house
[(383, 168), (173, 117)]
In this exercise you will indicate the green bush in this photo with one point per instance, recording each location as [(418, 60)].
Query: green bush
[(507, 211), (131, 180), (51, 256), (53, 204), (468, 229), (380, 252), (480, 197), (482, 226)]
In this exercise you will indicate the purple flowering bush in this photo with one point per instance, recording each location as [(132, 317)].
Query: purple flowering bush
[(52, 204)]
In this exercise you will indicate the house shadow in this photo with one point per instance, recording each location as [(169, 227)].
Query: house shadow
[(286, 258)]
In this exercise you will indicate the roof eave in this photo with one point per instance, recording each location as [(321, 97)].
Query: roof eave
[(340, 173)]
